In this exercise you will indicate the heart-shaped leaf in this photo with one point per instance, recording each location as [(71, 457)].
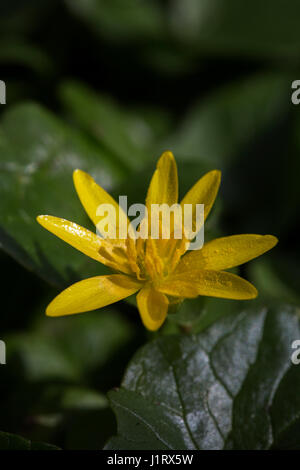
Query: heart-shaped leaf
[(234, 386)]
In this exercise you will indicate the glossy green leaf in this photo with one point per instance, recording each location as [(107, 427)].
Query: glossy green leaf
[(38, 154), (13, 442), (232, 386)]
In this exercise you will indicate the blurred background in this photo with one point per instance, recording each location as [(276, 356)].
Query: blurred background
[(106, 86)]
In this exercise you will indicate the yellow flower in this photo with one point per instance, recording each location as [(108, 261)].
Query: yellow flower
[(161, 271)]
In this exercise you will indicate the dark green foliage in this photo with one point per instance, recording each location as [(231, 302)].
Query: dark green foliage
[(106, 86)]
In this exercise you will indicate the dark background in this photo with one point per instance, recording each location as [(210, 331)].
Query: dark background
[(211, 80)]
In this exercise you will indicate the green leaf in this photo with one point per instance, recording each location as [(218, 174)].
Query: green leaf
[(38, 154), (217, 128), (232, 386), (120, 132), (13, 442)]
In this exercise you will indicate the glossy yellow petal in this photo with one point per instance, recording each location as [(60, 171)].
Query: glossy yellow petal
[(87, 242), (92, 293), (227, 252), (178, 288), (203, 192), (153, 307), (163, 188), (92, 196), (210, 283)]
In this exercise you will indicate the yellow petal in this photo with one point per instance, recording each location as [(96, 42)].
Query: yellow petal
[(163, 188), (153, 307), (203, 192), (92, 196), (178, 288), (92, 293), (210, 283), (227, 252), (87, 242)]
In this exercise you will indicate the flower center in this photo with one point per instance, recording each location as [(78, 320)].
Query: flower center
[(157, 259)]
